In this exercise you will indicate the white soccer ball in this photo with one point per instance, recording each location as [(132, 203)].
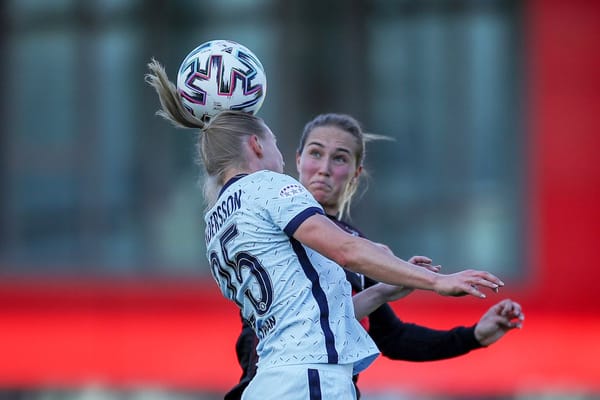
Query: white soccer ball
[(221, 75)]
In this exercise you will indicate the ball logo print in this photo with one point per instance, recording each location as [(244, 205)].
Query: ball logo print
[(221, 75)]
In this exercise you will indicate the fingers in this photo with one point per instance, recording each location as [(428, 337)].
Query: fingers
[(509, 324), (473, 291), (485, 282), (420, 260), (469, 282), (511, 310), (488, 277), (509, 314), (472, 287), (484, 275), (485, 279), (506, 324), (425, 262), (433, 268)]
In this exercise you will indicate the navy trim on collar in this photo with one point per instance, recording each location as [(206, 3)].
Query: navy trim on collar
[(230, 182)]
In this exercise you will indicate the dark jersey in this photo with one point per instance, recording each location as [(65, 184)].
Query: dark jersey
[(397, 340)]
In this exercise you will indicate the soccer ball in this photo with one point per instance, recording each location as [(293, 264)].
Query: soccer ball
[(221, 75)]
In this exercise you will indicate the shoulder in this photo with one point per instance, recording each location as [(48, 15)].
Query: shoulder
[(279, 195), (271, 176), (274, 183)]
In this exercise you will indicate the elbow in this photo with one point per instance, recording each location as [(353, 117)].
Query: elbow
[(346, 255), (340, 258)]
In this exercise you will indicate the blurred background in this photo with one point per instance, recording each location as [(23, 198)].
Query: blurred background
[(494, 107)]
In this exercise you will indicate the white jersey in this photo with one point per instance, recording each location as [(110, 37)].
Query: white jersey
[(298, 301)]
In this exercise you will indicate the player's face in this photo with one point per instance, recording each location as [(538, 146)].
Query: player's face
[(273, 160), (327, 165)]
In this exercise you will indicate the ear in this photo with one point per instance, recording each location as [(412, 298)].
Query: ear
[(358, 172), (298, 162), (255, 145)]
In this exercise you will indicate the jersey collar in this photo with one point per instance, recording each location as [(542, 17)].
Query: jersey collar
[(230, 182)]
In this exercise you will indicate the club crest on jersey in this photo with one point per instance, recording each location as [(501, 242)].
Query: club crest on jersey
[(291, 190)]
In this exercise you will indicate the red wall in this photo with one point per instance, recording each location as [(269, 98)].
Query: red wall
[(181, 334), (565, 146)]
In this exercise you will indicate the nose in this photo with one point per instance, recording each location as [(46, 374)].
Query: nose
[(324, 166)]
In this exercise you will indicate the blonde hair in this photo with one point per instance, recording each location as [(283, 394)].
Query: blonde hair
[(220, 139), (348, 124)]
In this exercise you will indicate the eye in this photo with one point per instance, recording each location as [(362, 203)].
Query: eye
[(314, 153), (341, 159)]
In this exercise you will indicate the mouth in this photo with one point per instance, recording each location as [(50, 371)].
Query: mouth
[(320, 185)]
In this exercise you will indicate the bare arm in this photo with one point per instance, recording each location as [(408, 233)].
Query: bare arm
[(363, 256), (371, 298)]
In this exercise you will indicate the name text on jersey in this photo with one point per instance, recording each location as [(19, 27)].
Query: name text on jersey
[(220, 214)]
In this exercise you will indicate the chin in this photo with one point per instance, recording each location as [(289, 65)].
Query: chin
[(320, 198)]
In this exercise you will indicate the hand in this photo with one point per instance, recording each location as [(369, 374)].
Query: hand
[(422, 261), (466, 282), (499, 319), (402, 291)]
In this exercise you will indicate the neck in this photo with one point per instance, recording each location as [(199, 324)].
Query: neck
[(251, 164), (332, 211)]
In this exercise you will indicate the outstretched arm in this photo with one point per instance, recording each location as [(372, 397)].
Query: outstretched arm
[(363, 256), (399, 340), (371, 298)]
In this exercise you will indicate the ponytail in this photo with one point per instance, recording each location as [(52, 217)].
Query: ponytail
[(172, 109)]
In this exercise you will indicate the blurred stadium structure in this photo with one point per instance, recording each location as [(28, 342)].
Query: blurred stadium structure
[(105, 292)]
